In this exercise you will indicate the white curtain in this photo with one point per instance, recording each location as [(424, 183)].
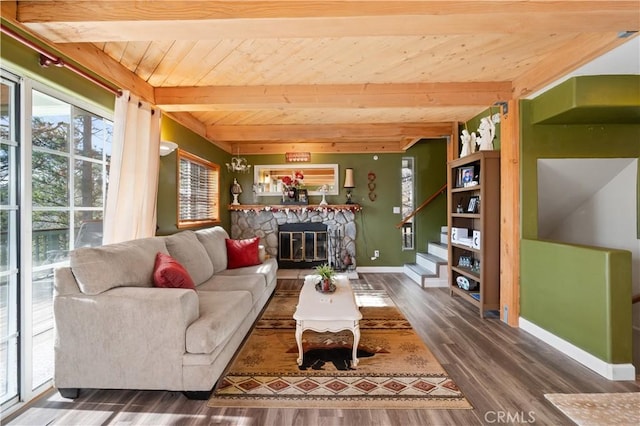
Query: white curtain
[(130, 212)]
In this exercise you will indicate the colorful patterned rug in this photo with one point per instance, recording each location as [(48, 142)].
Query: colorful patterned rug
[(598, 408), (396, 369)]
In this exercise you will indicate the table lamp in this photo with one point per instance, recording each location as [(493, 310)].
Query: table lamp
[(348, 183)]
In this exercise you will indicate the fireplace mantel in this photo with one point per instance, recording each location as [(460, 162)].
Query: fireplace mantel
[(294, 207)]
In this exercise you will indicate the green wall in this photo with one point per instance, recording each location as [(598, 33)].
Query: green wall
[(573, 138), (376, 222), (577, 293)]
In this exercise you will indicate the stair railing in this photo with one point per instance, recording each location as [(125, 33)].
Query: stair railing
[(422, 206)]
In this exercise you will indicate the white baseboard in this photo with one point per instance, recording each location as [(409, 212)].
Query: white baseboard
[(618, 372), (381, 269)]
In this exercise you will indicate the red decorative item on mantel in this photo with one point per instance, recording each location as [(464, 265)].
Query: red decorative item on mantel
[(276, 208)]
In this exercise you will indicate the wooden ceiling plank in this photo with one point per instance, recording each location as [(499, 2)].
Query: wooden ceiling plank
[(152, 59), (174, 56), (115, 50), (209, 69), (133, 54)]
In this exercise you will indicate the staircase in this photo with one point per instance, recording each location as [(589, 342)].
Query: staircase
[(430, 268)]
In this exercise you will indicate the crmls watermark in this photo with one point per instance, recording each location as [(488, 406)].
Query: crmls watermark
[(509, 417)]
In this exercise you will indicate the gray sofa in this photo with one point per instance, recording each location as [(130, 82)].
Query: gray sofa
[(114, 330)]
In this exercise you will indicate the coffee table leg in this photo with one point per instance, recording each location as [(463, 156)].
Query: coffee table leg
[(299, 331), (356, 340)]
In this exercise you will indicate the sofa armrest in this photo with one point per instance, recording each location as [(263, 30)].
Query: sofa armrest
[(126, 337), (64, 281)]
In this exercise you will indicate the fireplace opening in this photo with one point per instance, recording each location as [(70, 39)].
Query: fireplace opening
[(302, 245)]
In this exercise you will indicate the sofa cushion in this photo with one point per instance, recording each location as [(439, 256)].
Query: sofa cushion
[(268, 270), (241, 253), (213, 240), (187, 249), (127, 264), (254, 284), (169, 273), (221, 313)]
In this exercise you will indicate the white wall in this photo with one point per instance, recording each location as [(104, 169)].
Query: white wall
[(608, 219)]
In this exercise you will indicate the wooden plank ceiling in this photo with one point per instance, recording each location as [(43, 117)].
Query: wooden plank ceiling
[(326, 76)]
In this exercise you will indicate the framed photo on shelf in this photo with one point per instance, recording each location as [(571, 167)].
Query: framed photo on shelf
[(465, 176), (303, 197), (474, 205)]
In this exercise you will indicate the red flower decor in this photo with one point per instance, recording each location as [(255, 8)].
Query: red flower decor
[(294, 181)]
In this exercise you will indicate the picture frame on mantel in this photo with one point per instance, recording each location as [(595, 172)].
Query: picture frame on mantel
[(303, 196)]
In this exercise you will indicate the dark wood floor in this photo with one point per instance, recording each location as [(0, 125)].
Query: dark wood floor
[(500, 369)]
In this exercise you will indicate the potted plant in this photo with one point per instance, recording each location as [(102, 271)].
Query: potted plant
[(327, 275)]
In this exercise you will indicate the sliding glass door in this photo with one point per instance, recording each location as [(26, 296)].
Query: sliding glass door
[(70, 152), (8, 239), (54, 159)]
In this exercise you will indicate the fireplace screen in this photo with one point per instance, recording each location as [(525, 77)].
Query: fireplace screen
[(301, 247)]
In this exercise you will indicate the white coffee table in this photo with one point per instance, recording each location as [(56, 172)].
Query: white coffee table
[(330, 312)]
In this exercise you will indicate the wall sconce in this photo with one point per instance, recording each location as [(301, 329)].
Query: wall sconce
[(167, 147), (297, 157), (348, 183)]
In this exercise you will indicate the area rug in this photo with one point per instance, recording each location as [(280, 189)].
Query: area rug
[(599, 408), (395, 370)]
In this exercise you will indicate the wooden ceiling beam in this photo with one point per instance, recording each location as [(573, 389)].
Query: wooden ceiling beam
[(564, 60), (328, 133), (336, 95), (333, 147), (192, 10), (99, 21)]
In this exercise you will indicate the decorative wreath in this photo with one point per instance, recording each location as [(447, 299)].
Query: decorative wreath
[(372, 186)]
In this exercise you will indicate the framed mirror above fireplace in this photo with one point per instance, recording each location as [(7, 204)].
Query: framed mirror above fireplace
[(268, 178)]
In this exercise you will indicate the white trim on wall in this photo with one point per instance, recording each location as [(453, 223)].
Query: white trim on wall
[(381, 269), (618, 372)]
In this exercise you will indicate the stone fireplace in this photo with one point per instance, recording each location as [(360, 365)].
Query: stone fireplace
[(265, 221)]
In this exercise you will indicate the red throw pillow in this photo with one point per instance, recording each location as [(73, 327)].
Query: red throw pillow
[(242, 252), (169, 273)]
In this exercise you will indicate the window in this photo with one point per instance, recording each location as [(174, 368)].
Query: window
[(198, 191), (408, 203)]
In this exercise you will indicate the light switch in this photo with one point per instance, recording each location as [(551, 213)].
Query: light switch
[(396, 210)]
